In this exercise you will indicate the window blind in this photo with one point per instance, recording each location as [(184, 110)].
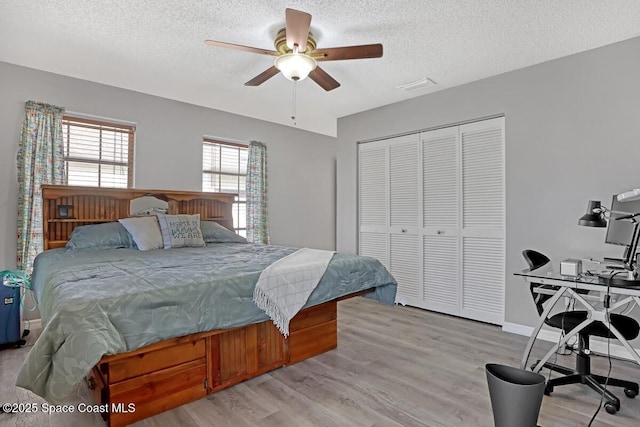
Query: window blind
[(224, 170), (97, 154)]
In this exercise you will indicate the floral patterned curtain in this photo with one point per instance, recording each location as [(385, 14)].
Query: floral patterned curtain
[(257, 219), (40, 161)]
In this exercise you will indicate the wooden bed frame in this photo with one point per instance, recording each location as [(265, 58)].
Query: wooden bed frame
[(176, 371)]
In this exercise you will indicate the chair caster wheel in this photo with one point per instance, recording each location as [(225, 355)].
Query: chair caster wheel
[(630, 393), (610, 408), (548, 389)]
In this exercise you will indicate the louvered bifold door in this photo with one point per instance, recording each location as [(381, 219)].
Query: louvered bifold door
[(404, 218), (483, 222), (373, 210), (405, 267), (440, 206)]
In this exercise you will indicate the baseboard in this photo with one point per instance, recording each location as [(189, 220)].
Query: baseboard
[(517, 329), (597, 345), (32, 324)]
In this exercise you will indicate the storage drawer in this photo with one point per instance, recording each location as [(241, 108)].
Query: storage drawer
[(321, 313), (313, 340), (143, 363), (150, 394)]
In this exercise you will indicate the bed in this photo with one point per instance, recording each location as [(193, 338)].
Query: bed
[(152, 330)]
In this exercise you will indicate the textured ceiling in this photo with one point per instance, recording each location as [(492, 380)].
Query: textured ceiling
[(156, 46)]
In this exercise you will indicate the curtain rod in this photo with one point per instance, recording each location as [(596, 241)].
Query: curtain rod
[(100, 118), (227, 140), (463, 122), (94, 117)]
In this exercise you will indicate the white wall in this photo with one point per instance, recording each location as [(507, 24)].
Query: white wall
[(572, 134), (169, 152)]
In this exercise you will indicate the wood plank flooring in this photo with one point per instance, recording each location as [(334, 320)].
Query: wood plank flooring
[(394, 366)]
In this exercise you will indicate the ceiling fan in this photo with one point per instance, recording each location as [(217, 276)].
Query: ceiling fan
[(297, 56)]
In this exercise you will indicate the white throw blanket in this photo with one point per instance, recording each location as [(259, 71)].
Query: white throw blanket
[(284, 287)]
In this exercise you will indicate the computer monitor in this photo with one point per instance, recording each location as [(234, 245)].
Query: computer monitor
[(622, 232)]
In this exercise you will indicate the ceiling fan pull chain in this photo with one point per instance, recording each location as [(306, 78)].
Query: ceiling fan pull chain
[(293, 117)]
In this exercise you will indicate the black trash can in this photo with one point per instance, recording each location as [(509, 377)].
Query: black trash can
[(516, 395)]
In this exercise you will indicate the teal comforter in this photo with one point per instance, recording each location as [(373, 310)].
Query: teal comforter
[(99, 302)]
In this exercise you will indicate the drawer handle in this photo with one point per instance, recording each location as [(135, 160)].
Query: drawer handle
[(439, 232), (91, 383), (404, 230)]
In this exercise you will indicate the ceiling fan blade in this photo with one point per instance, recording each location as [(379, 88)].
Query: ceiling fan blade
[(250, 49), (349, 52), (263, 77), (297, 28), (325, 81)]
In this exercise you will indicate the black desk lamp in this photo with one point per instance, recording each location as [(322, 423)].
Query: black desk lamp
[(594, 216)]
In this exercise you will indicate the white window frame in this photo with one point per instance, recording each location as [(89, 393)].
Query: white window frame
[(236, 205), (69, 120)]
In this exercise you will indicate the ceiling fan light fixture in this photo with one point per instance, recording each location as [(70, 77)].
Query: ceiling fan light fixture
[(295, 66), (296, 53)]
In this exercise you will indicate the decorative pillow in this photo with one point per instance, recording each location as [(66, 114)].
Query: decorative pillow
[(109, 235), (180, 230), (215, 233), (145, 232)]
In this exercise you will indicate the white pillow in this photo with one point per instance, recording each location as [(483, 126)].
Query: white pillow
[(145, 232), (180, 230)]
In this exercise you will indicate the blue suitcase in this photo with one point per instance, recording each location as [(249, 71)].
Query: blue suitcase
[(9, 315), (10, 310)]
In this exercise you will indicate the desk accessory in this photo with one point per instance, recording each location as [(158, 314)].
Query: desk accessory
[(594, 216), (571, 267)]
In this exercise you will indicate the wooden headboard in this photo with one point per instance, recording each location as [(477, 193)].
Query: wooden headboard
[(93, 205)]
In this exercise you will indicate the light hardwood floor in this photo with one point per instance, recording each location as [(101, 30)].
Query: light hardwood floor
[(394, 366)]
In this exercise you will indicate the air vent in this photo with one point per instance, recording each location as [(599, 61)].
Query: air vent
[(418, 84)]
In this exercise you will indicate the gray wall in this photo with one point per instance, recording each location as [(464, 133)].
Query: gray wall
[(169, 152), (572, 134)]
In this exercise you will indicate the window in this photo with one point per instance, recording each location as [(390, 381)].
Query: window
[(97, 154), (224, 170)]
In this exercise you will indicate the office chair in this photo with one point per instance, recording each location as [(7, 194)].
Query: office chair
[(568, 320)]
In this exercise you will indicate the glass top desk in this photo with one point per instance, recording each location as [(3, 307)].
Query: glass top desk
[(568, 286)]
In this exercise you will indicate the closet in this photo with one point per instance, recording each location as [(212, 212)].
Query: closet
[(431, 209)]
